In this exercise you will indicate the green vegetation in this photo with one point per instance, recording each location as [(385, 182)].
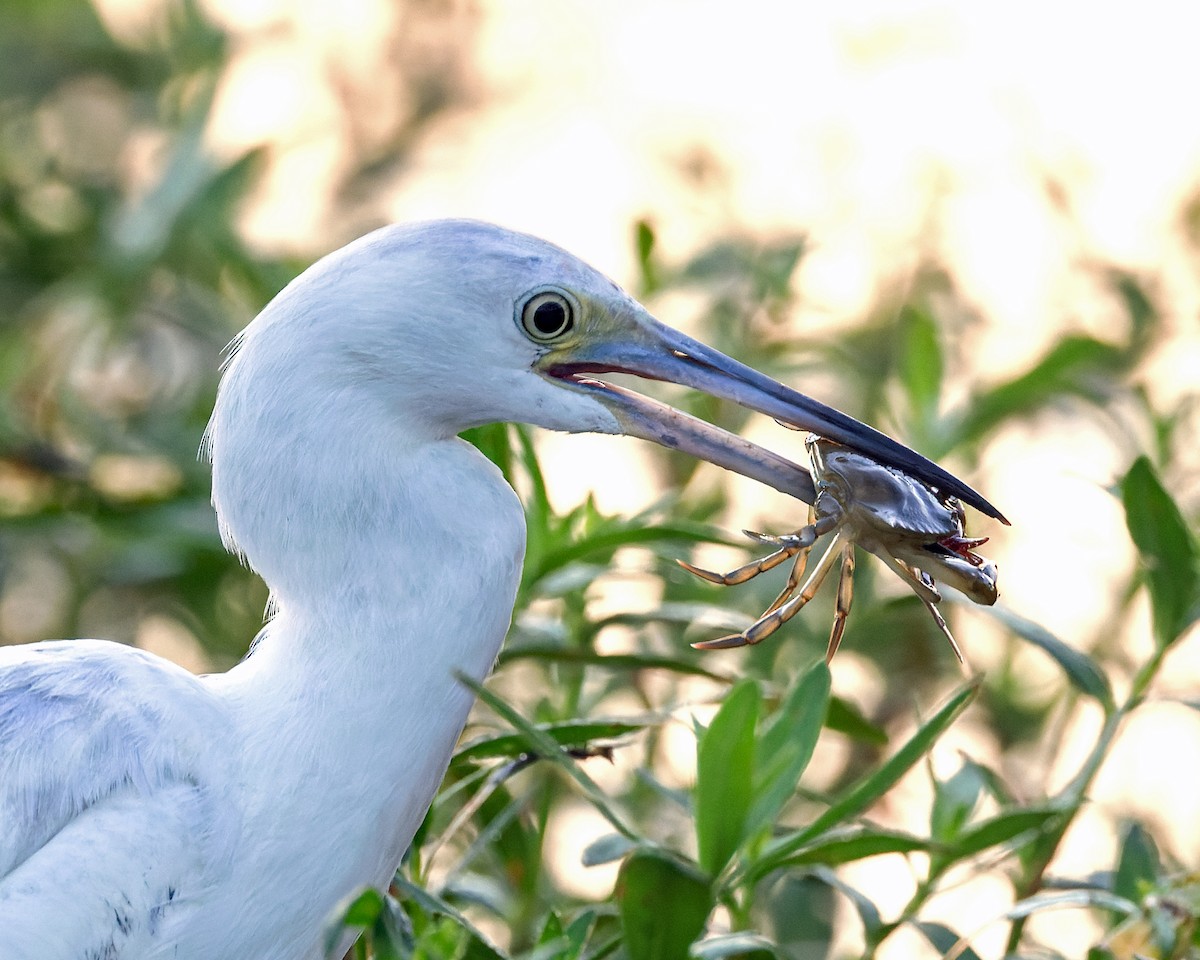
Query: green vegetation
[(120, 291)]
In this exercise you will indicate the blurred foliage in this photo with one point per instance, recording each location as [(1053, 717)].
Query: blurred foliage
[(123, 272)]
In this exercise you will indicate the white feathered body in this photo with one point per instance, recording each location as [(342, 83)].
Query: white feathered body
[(146, 813)]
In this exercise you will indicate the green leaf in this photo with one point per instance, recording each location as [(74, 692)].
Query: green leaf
[(1081, 670), (1168, 552), (724, 777), (608, 540), (787, 745), (572, 733), (844, 717), (992, 782), (1071, 899), (552, 929), (845, 845), (1138, 867), (645, 241), (943, 939), (920, 361), (537, 503), (748, 945), (578, 931), (544, 746), (502, 835), (871, 788), (390, 940), (954, 801), (493, 441), (558, 943), (663, 903), (999, 829), (799, 911), (606, 849), (1075, 365), (363, 910), (868, 913), (685, 614), (478, 947), (613, 661)]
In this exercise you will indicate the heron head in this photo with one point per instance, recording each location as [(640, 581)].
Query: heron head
[(445, 325)]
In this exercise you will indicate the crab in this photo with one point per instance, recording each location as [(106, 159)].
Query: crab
[(916, 531)]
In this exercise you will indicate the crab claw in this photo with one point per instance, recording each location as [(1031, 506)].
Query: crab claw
[(950, 561), (963, 547)]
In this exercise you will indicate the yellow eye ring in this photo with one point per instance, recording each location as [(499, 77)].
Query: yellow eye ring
[(547, 315)]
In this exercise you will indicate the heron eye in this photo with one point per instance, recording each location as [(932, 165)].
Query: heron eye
[(547, 316)]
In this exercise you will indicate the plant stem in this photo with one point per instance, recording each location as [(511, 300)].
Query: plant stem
[(1073, 794)]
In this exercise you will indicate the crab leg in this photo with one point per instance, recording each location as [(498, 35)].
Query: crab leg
[(793, 581), (747, 572), (769, 622), (789, 545), (926, 591), (817, 528), (941, 622), (845, 597), (928, 595)]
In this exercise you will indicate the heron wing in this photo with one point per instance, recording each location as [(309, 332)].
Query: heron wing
[(110, 807)]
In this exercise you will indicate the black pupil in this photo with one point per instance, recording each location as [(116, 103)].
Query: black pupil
[(549, 317)]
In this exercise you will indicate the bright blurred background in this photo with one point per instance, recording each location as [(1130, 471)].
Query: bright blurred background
[(976, 227)]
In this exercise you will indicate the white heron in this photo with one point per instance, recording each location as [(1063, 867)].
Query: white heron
[(148, 813)]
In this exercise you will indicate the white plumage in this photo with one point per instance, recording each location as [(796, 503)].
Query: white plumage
[(147, 813)]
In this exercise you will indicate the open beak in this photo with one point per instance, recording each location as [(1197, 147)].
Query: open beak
[(654, 351)]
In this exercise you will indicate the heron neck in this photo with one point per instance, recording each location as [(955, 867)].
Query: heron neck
[(421, 578), (349, 703)]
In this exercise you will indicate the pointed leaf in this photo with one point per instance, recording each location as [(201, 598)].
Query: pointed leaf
[(724, 772), (1138, 867), (1168, 552), (572, 733), (999, 829), (995, 786), (854, 843), (606, 849), (871, 787), (868, 913), (944, 940), (1071, 899), (954, 801), (363, 910), (799, 913), (664, 904), (579, 930), (787, 746), (613, 661), (743, 944), (606, 541), (1083, 672), (537, 505), (647, 264), (844, 717), (920, 361), (478, 946), (551, 930), (1075, 365), (544, 746)]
